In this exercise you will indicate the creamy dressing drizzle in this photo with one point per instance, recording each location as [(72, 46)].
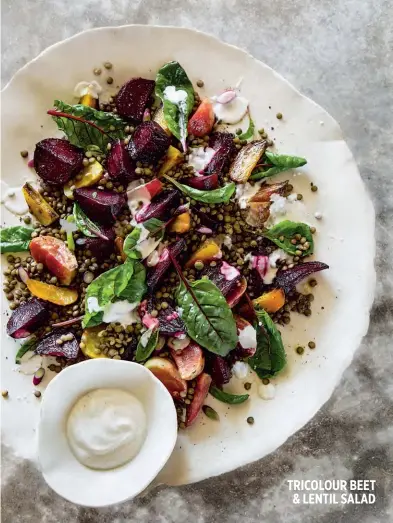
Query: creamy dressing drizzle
[(13, 199)]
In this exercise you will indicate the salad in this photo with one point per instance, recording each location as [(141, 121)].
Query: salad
[(155, 235)]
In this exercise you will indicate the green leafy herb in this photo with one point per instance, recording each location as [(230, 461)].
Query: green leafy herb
[(249, 134), (138, 244), (125, 282), (147, 344), (210, 413), (206, 314), (86, 127), (85, 225), (221, 195), (15, 239), (225, 397), (176, 115), (269, 358), (285, 231), (28, 345), (277, 163)]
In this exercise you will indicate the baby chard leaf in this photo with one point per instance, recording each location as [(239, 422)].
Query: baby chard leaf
[(220, 195), (277, 163), (285, 231), (15, 239)]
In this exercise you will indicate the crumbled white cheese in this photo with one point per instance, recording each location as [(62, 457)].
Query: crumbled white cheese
[(292, 208), (240, 370), (245, 191), (318, 215), (228, 271), (248, 337), (121, 312), (92, 305), (267, 392), (199, 157), (227, 241)]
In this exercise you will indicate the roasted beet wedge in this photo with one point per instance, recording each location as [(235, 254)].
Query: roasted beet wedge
[(204, 183), (100, 249), (234, 295), (133, 97), (164, 262), (224, 276), (202, 121), (288, 279), (225, 149), (168, 320), (49, 345), (56, 256), (27, 318), (119, 164), (149, 143), (56, 161), (190, 361), (100, 206), (220, 370), (167, 373), (202, 387), (162, 206)]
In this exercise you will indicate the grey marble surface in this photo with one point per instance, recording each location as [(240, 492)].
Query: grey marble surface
[(338, 52)]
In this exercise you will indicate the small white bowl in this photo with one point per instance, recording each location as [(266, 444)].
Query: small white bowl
[(98, 488)]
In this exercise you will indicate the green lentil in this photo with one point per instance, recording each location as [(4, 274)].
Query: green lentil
[(109, 80), (24, 154), (200, 83), (266, 381), (108, 65), (199, 265), (314, 188), (27, 219), (250, 420), (300, 196), (37, 393), (311, 344), (97, 71), (300, 350), (247, 385), (279, 116), (313, 283), (4, 393)]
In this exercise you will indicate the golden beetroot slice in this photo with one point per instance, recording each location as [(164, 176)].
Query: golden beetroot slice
[(202, 121), (28, 317), (149, 143), (100, 206), (133, 97), (203, 383), (56, 161), (56, 256), (190, 361), (246, 160), (119, 164), (270, 301), (167, 373)]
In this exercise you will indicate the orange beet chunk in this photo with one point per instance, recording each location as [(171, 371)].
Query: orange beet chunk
[(56, 256)]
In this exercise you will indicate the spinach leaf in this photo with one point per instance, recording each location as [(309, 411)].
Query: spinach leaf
[(285, 231), (28, 345), (125, 282), (279, 163), (176, 114), (269, 358), (86, 127), (221, 195), (207, 316), (147, 344), (225, 397), (84, 224), (249, 134), (140, 243), (15, 239)]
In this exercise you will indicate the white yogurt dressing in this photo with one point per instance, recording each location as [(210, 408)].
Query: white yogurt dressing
[(106, 428), (240, 370), (231, 112), (199, 158), (245, 191), (248, 337), (290, 208), (228, 271), (121, 312), (179, 98), (13, 199), (267, 392)]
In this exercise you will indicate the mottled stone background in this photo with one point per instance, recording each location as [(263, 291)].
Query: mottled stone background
[(338, 52)]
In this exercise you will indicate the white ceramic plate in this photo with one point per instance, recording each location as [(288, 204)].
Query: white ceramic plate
[(345, 238)]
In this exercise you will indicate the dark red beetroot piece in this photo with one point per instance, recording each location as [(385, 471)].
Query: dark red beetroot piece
[(27, 318), (99, 248), (48, 345), (243, 352), (132, 98), (168, 320), (202, 387), (164, 262), (56, 161), (100, 206), (119, 164), (219, 279), (149, 143), (234, 295), (203, 183), (289, 278), (162, 206), (223, 144), (220, 370)]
